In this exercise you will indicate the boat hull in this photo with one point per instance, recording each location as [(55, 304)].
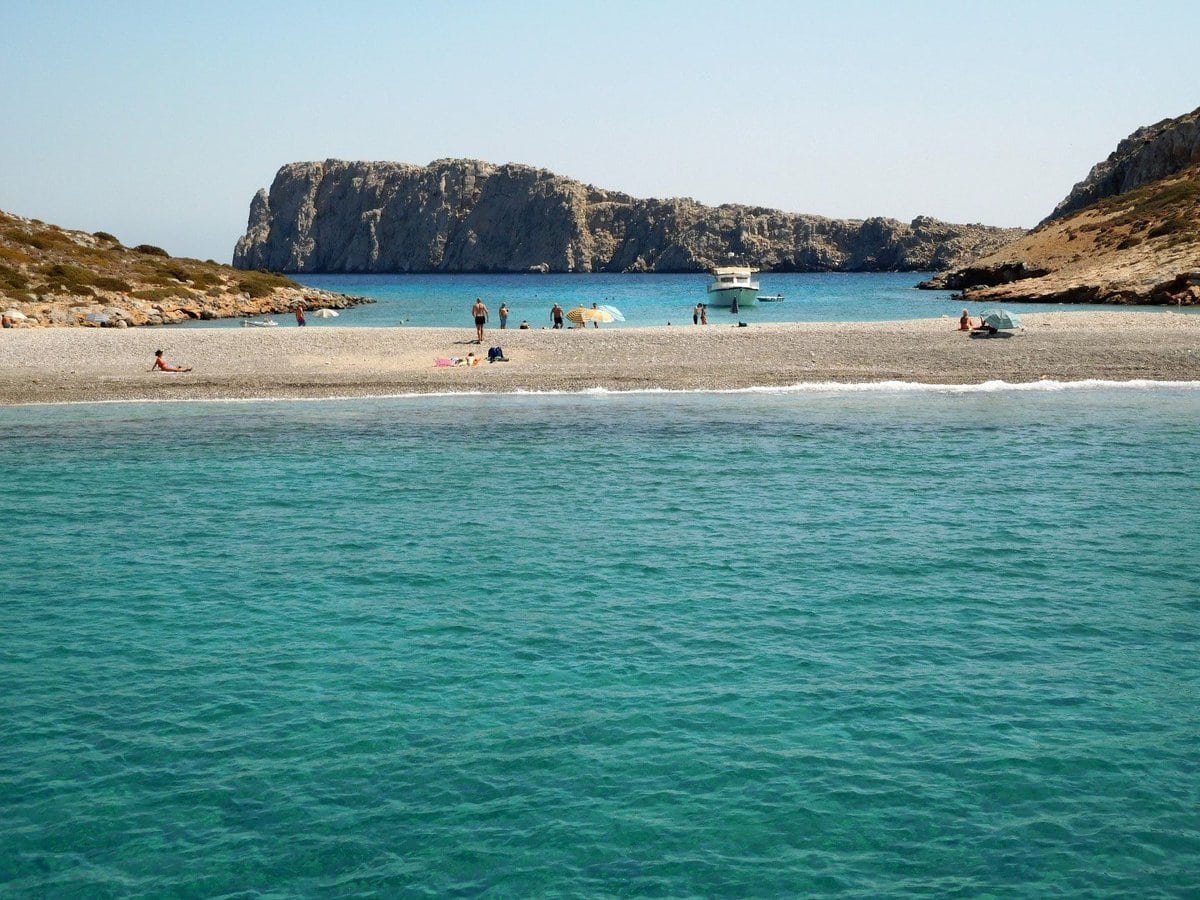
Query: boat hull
[(745, 294)]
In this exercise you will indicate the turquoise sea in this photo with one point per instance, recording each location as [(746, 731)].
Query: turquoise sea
[(822, 642), (446, 300)]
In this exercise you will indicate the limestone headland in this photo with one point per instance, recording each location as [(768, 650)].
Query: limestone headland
[(469, 216)]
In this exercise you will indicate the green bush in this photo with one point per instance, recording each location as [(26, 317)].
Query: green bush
[(160, 294), (44, 241), (12, 279), (261, 284), (12, 253), (175, 272), (105, 236), (1168, 227), (151, 250), (108, 283), (203, 279), (69, 277)]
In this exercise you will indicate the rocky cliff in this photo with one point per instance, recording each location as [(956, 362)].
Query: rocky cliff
[(54, 276), (1129, 233), (1149, 154), (472, 216)]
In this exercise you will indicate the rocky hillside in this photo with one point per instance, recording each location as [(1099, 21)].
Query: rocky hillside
[(472, 216), (1129, 233), (51, 276), (1142, 247), (1149, 154)]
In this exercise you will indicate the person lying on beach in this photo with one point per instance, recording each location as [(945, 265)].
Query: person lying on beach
[(163, 365)]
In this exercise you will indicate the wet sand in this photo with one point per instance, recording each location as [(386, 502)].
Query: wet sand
[(74, 364)]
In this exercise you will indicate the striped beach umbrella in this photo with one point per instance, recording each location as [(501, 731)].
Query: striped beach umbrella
[(581, 315)]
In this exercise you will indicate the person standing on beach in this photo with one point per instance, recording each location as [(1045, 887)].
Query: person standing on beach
[(503, 316), (300, 315), (703, 313), (696, 314), (595, 322), (556, 315), (480, 312)]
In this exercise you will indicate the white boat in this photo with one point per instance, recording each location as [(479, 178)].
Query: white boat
[(732, 283), (770, 298), (259, 323)]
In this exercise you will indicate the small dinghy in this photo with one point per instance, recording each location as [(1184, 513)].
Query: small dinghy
[(259, 323)]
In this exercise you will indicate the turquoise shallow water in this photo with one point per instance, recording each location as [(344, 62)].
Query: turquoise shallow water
[(446, 300), (772, 644)]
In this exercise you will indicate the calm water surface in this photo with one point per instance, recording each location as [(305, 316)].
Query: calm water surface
[(779, 644), (446, 300)]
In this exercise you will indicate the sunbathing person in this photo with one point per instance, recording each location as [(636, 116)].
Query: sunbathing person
[(162, 364), (964, 323)]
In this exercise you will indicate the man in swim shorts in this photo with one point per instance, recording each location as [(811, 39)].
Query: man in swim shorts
[(480, 312), (556, 315)]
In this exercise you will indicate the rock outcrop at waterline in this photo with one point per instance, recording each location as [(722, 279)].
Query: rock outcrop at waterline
[(54, 276), (1136, 239), (459, 215)]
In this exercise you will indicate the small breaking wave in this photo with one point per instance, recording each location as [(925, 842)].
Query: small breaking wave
[(815, 387)]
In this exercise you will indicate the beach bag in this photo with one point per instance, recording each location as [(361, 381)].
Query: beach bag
[(495, 353)]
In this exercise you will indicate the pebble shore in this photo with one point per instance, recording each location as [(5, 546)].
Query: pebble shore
[(59, 365)]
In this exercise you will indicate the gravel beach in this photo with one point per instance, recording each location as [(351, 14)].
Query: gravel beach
[(61, 364)]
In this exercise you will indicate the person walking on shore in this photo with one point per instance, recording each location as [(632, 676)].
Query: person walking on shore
[(696, 314), (300, 315), (480, 312), (556, 315), (503, 316), (703, 313)]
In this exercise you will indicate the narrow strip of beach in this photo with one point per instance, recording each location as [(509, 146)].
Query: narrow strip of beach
[(73, 364)]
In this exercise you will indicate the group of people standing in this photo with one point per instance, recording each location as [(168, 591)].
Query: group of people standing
[(481, 314), (700, 314)]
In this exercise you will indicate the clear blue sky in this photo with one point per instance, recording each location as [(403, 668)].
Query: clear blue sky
[(158, 121)]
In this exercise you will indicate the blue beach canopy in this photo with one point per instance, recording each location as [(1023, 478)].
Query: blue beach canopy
[(1001, 319)]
